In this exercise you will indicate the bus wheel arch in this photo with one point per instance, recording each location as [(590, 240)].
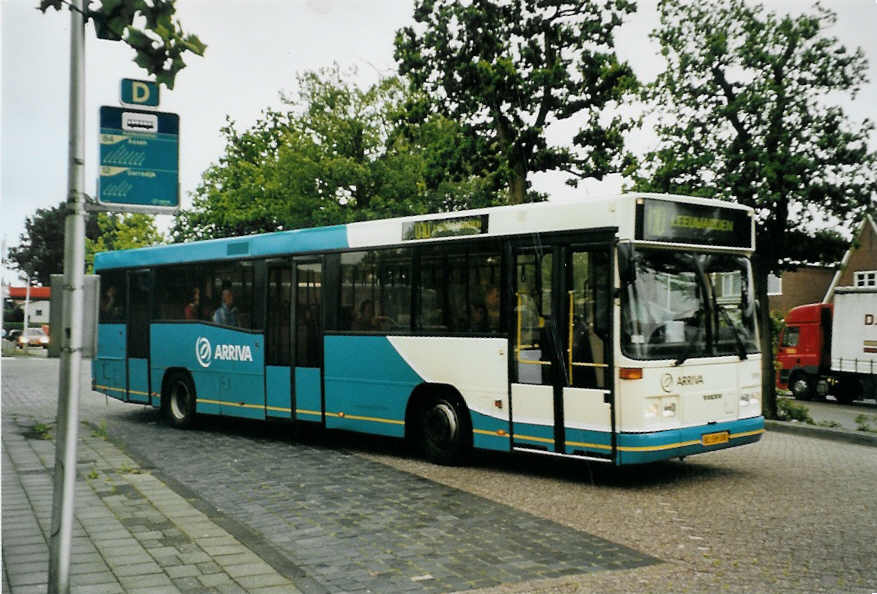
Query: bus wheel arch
[(178, 398), (439, 422)]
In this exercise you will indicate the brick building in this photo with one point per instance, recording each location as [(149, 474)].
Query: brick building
[(807, 283), (859, 265)]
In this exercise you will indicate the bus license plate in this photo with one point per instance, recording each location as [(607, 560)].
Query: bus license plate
[(709, 439)]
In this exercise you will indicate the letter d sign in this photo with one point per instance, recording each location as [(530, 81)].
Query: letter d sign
[(869, 319), (139, 93)]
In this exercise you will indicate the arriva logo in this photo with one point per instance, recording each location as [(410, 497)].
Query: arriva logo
[(223, 352), (202, 351)]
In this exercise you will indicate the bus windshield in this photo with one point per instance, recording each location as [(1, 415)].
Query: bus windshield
[(682, 305)]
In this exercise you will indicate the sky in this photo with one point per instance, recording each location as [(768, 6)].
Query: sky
[(255, 48)]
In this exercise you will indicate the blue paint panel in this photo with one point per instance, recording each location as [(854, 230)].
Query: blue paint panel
[(109, 377), (268, 244), (667, 438), (227, 368), (138, 380), (278, 391), (366, 377), (544, 435), (108, 367), (308, 394), (111, 341), (481, 422), (157, 377)]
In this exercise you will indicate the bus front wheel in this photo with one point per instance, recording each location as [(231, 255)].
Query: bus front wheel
[(443, 430), (179, 400)]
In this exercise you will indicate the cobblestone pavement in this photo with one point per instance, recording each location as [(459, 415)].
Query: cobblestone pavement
[(348, 513), (347, 523)]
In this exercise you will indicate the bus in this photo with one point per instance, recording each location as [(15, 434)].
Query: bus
[(618, 330)]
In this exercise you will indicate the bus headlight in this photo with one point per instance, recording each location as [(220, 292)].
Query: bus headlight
[(748, 399), (652, 410), (669, 409)]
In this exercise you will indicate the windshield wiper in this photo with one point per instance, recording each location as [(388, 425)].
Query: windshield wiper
[(741, 348)]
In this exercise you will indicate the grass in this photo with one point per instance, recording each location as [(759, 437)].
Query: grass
[(864, 423)]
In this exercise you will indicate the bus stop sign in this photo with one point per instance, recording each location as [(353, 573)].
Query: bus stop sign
[(139, 160)]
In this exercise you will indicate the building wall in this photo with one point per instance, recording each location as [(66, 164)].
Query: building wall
[(806, 284), (863, 257)]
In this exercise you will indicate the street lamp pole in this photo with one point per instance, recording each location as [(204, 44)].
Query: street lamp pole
[(72, 332)]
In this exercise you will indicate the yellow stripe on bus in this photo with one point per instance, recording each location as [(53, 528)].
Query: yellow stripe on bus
[(680, 444), (532, 438), (110, 388), (341, 415)]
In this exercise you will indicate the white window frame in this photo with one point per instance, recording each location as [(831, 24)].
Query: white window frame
[(865, 278)]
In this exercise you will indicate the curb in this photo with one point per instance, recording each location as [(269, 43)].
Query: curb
[(859, 438)]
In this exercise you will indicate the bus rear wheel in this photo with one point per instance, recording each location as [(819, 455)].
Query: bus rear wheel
[(179, 400), (443, 431)]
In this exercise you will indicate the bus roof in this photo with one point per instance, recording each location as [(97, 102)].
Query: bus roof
[(614, 212)]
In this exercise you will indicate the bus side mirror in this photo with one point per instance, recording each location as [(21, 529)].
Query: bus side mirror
[(626, 264)]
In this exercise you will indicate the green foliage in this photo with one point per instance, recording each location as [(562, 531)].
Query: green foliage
[(40, 252), (121, 232), (742, 116), (776, 325), (792, 410), (39, 431), (507, 71), (339, 154), (41, 247), (158, 47), (863, 423)]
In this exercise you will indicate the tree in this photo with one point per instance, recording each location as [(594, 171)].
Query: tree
[(121, 232), (744, 117), (158, 47), (40, 252), (507, 71), (339, 154)]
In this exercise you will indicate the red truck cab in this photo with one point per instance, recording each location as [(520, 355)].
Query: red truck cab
[(804, 347)]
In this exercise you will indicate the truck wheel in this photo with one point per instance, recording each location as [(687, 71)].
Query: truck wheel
[(178, 400), (802, 386)]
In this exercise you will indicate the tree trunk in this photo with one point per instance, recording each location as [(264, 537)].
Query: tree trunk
[(768, 379)]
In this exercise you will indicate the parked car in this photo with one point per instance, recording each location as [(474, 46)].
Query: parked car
[(33, 337), (13, 335)]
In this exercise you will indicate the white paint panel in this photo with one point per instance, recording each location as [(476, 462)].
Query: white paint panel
[(477, 367), (533, 404), (583, 408), (701, 391)]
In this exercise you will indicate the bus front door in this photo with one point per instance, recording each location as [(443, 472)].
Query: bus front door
[(307, 338), (561, 386), (536, 354), (586, 381)]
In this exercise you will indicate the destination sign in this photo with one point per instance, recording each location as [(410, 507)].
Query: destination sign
[(453, 227), (677, 222)]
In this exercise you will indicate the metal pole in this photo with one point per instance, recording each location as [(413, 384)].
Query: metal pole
[(26, 307), (71, 346)]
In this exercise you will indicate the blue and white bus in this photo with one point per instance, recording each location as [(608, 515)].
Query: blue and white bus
[(619, 330)]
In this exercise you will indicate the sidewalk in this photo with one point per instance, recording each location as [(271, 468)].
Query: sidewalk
[(132, 532)]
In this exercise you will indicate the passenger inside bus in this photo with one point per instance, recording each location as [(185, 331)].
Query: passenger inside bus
[(227, 313), (192, 308)]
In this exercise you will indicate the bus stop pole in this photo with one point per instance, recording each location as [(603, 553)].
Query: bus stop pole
[(72, 331)]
